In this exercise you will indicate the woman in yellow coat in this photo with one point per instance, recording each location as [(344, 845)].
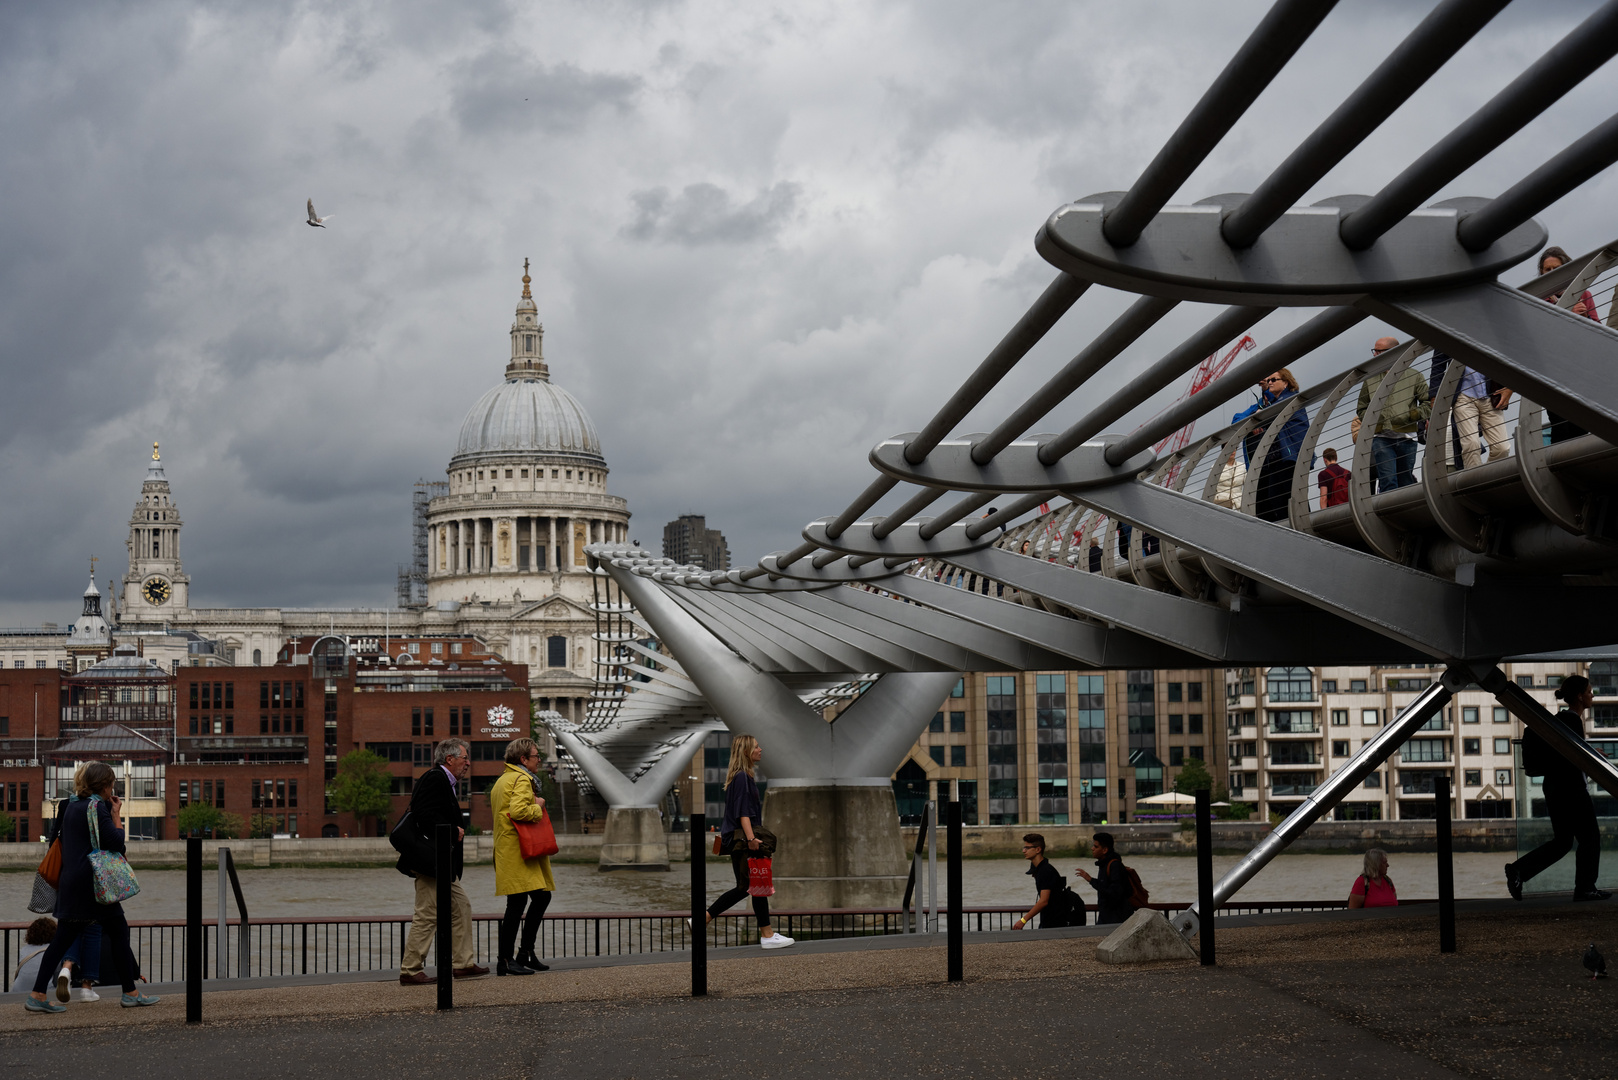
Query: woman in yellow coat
[(523, 882)]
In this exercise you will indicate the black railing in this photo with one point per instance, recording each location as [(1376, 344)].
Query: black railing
[(282, 947)]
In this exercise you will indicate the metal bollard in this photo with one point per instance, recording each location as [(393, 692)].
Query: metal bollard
[(699, 905), (952, 871), (1446, 868), (1205, 880), (444, 867), (193, 930)]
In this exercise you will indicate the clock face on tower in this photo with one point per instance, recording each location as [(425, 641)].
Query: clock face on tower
[(156, 591)]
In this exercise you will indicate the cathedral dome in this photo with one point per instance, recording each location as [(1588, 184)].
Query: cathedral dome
[(527, 415)]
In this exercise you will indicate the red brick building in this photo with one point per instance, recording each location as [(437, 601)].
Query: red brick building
[(262, 740)]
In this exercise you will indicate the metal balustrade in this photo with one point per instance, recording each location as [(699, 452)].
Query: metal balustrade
[(317, 946)]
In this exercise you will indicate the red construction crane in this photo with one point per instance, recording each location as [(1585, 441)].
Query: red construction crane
[(1207, 371)]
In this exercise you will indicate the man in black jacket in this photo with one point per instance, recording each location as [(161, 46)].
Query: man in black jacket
[(436, 801), (1112, 884)]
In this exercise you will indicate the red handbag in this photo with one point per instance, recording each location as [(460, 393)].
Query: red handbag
[(759, 881), (535, 838)]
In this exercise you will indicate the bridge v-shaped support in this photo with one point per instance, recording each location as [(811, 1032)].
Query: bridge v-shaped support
[(830, 793), (634, 838)]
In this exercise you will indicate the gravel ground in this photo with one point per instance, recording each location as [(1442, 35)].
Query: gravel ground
[(1353, 994)]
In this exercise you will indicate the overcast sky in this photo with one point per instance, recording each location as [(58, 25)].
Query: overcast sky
[(764, 237)]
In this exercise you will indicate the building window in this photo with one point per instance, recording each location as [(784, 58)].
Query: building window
[(415, 720), (1339, 718), (1339, 748), (1374, 781), (1502, 777), (957, 720), (1501, 716), (957, 757), (936, 753), (1193, 691), (1370, 717), (1425, 750), (1176, 724), (1002, 748), (1471, 747), (1356, 686), (1502, 746), (1473, 778), (1408, 685), (1469, 714), (1176, 756), (1328, 686), (556, 652), (1290, 684), (937, 722), (1525, 681), (1174, 691)]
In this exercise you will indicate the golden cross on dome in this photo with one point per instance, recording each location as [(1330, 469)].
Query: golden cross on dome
[(155, 456), (93, 561), (526, 295)]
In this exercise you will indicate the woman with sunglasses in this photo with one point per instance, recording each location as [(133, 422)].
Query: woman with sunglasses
[(1275, 476)]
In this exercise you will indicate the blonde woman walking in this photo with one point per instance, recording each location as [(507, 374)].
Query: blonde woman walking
[(744, 837), (523, 882)]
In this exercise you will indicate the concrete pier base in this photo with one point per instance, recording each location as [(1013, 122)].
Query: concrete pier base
[(1145, 935), (634, 840), (839, 844)]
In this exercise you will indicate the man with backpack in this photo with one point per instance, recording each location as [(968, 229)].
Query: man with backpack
[(1054, 905), (1573, 815), (1118, 889)]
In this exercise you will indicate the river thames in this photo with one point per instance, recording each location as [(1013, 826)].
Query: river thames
[(311, 893)]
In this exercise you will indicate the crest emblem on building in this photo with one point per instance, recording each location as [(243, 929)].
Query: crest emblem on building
[(501, 716)]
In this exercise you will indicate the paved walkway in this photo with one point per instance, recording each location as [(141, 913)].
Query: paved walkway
[(1354, 994)]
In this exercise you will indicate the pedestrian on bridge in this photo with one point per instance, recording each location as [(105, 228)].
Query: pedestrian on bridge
[(1114, 885), (525, 883)]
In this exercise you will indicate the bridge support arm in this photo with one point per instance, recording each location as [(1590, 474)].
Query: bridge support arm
[(1328, 795)]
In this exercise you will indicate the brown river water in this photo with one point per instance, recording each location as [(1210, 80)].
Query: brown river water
[(313, 893)]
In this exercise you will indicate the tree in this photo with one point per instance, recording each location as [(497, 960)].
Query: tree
[(209, 821), (1194, 776), (8, 826), (261, 826), (362, 786)]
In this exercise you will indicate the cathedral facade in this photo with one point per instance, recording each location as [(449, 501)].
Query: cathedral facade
[(527, 490)]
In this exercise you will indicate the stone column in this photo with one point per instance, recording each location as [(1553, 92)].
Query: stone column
[(477, 543), (551, 562)]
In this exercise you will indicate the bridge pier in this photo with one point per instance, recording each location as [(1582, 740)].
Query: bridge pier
[(634, 840), (839, 843)]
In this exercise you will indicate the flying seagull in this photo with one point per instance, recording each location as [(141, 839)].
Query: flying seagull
[(317, 222), (1595, 963)]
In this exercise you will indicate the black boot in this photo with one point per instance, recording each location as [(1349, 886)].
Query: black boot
[(506, 965), (511, 967), (529, 961)]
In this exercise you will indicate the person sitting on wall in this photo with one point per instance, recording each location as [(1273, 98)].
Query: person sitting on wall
[(1373, 888)]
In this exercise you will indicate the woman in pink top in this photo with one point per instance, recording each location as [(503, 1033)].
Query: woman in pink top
[(1372, 888)]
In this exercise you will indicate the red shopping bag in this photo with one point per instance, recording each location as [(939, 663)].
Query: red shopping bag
[(759, 881)]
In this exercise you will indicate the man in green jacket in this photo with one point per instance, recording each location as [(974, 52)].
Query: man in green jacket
[(1393, 444)]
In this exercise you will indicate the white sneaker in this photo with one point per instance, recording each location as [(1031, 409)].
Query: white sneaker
[(64, 979), (776, 941), (85, 993)]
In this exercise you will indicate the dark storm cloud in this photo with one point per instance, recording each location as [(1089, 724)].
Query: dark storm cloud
[(507, 92), (762, 238), (705, 214)]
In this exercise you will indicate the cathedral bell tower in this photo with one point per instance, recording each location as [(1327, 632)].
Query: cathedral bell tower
[(527, 337), (155, 587)]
